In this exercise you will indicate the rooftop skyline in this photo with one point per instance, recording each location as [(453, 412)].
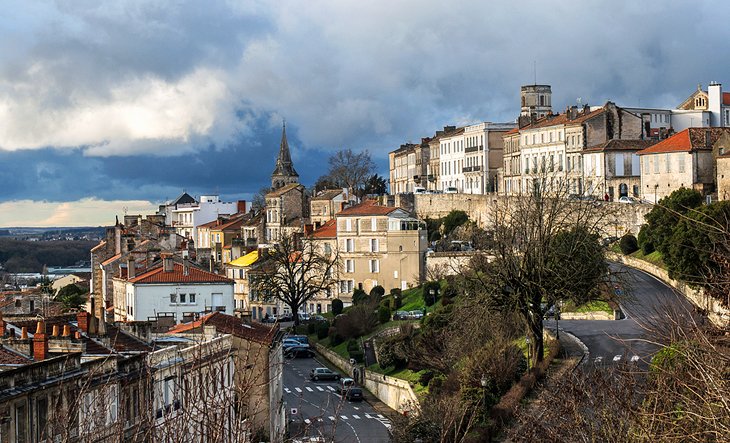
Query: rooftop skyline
[(113, 105)]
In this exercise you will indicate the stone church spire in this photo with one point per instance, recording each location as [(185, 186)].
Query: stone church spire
[(284, 172)]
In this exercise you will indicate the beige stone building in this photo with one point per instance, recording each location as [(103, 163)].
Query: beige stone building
[(686, 159), (619, 174), (326, 204), (287, 211), (510, 173), (379, 245), (723, 167)]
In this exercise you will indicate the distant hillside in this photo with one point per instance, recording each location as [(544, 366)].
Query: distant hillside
[(30, 256)]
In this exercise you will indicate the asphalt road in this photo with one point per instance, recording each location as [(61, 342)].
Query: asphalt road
[(645, 301), (323, 412)]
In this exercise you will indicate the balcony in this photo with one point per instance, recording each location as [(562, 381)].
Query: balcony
[(474, 148), (471, 168)]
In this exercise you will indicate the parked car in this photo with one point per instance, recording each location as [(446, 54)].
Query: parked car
[(400, 315), (287, 316), (323, 374), (345, 384), (415, 315), (608, 240), (303, 316), (420, 190), (353, 394), (303, 339), (298, 352), (627, 199), (289, 343), (269, 319), (451, 190), (317, 317)]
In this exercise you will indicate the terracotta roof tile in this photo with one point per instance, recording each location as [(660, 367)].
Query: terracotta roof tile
[(99, 246), (194, 275), (327, 230), (368, 207), (691, 139), (726, 98), (111, 260), (8, 357), (228, 324)]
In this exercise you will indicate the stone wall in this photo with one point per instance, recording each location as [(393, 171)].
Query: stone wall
[(718, 314), (394, 392), (620, 218)]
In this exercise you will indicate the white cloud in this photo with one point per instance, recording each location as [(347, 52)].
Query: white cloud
[(85, 212)]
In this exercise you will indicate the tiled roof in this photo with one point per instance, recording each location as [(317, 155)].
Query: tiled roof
[(621, 145), (512, 131), (210, 224), (327, 194), (111, 259), (123, 342), (726, 98), (228, 324), (100, 245), (691, 139), (194, 275), (8, 357), (562, 119), (283, 190), (246, 260), (368, 207), (327, 230)]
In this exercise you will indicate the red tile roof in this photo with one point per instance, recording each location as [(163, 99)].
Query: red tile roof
[(368, 207), (726, 98), (691, 139), (102, 243), (111, 259), (512, 131), (327, 230), (228, 324), (194, 275), (8, 357), (562, 119)]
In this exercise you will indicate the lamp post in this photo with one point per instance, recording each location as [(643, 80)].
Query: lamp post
[(527, 341), (484, 381)]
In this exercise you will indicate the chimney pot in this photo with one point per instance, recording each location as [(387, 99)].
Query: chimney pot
[(2, 325), (40, 328), (54, 332), (40, 342), (66, 330), (24, 333), (77, 335)]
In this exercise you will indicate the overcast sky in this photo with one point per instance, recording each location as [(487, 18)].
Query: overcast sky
[(125, 104)]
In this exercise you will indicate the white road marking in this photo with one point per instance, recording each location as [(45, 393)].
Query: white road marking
[(331, 388), (332, 418), (368, 416), (344, 417), (598, 360), (381, 416), (616, 358), (356, 408), (307, 421), (635, 358), (298, 389), (320, 389), (309, 389), (356, 417), (288, 391)]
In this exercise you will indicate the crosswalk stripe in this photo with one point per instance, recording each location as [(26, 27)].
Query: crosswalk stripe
[(344, 417), (332, 418), (298, 389), (367, 416), (356, 417), (307, 421), (331, 388), (617, 358), (635, 358), (309, 389), (319, 388), (288, 391), (381, 416)]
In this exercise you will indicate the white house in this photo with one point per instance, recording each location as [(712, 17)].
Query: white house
[(171, 289), (186, 213), (451, 160)]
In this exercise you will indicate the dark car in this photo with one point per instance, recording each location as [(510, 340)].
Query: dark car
[(323, 374), (298, 352), (353, 394)]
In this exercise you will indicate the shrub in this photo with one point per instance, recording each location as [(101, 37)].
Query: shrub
[(358, 355), (334, 335), (425, 378), (311, 328), (359, 296), (337, 306), (454, 219), (322, 329), (450, 291), (428, 297), (395, 303), (645, 243), (383, 314), (396, 292), (377, 292), (628, 244)]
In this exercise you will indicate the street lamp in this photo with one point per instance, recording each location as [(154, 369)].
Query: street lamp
[(527, 341)]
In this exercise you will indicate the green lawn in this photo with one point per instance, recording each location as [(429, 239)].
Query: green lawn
[(653, 258), (403, 374), (591, 306)]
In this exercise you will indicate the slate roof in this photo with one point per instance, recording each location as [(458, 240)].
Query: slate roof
[(8, 357), (327, 194), (621, 145), (177, 275), (283, 190), (228, 324), (184, 199)]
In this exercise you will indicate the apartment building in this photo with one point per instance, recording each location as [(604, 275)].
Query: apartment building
[(483, 153), (378, 245), (326, 204)]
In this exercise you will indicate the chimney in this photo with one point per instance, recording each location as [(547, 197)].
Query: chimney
[(66, 330), (167, 263), (54, 331), (2, 325), (708, 138), (83, 320), (40, 342), (24, 333), (77, 335), (102, 321), (92, 319), (186, 267), (131, 268), (241, 206)]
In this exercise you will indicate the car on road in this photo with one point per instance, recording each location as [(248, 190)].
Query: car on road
[(269, 319), (287, 316), (353, 394), (291, 343), (303, 339), (298, 352), (318, 374), (345, 384), (627, 199), (451, 190)]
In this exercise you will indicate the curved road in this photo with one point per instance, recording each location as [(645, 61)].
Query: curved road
[(645, 301)]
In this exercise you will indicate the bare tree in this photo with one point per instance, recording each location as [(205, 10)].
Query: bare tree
[(294, 271), (351, 169)]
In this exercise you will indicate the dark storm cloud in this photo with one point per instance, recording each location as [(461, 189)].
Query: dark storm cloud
[(166, 96)]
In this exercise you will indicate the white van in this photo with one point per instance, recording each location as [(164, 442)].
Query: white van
[(451, 190), (419, 190)]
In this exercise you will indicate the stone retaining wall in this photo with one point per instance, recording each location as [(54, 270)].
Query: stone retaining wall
[(394, 392), (718, 314)]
